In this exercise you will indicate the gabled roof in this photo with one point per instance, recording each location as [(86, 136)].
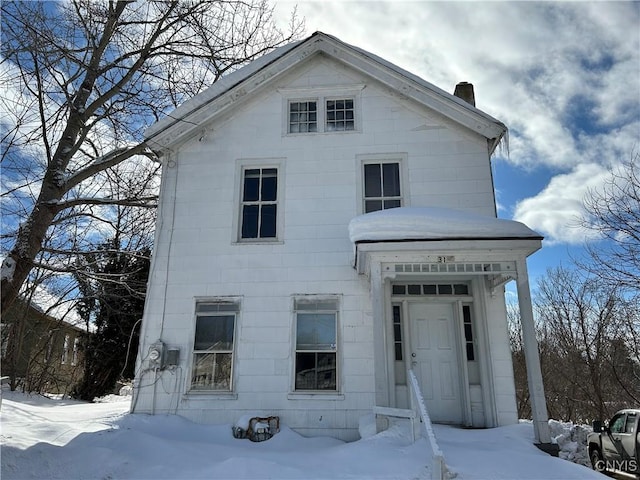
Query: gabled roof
[(188, 118)]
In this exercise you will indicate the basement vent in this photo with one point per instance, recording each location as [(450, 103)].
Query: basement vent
[(473, 268)]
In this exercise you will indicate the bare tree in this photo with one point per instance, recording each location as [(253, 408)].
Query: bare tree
[(83, 79), (614, 212), (588, 368)]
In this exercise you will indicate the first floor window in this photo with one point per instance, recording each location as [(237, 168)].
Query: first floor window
[(213, 346), (316, 344), (381, 186)]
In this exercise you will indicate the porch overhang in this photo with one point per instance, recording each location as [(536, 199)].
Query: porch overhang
[(479, 256), (401, 243)]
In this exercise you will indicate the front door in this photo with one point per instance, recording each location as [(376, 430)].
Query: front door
[(434, 358)]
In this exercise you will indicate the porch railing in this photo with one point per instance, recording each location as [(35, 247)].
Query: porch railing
[(438, 466)]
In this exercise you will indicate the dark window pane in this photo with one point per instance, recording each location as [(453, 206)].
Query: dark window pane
[(398, 351), (372, 185), (294, 106), (269, 187), (326, 371), (396, 312), (305, 371), (250, 221), (294, 128), (466, 313), (429, 289), (470, 353), (268, 221), (414, 289), (214, 333), (313, 127), (468, 335), (311, 106), (445, 289), (391, 204), (251, 185), (461, 289), (397, 333), (315, 371), (391, 179), (398, 290), (372, 206)]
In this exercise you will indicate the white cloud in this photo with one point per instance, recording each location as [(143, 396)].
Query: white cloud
[(563, 76), (556, 211)]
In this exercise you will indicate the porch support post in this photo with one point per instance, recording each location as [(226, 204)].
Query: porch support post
[(532, 357), (379, 344)]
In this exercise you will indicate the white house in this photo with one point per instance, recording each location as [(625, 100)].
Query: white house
[(327, 221)]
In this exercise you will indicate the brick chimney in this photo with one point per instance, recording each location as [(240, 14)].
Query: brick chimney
[(464, 90)]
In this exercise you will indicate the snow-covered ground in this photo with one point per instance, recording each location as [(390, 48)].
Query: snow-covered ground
[(65, 439)]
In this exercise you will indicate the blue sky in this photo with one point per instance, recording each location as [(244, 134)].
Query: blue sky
[(563, 76)]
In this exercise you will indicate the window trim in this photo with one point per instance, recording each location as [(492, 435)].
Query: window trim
[(401, 158), (234, 307), (298, 302), (243, 164)]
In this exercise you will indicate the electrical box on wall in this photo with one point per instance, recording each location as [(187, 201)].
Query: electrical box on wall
[(172, 357), (155, 355), (161, 357)]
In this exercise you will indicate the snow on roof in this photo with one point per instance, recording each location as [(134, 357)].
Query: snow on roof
[(431, 223)]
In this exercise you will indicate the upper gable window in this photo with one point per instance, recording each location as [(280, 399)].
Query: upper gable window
[(340, 115), (312, 110), (303, 117)]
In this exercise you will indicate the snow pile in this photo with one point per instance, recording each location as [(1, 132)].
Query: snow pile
[(572, 440), (429, 223), (67, 439)]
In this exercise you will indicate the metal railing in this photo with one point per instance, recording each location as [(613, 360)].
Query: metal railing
[(438, 466)]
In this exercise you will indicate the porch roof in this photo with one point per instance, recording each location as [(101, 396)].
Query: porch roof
[(433, 223)]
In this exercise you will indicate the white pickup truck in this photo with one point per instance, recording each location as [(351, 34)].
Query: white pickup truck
[(616, 446)]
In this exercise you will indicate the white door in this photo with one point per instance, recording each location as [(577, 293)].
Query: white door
[(434, 358)]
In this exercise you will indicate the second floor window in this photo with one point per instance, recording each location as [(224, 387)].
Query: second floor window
[(381, 186), (259, 206)]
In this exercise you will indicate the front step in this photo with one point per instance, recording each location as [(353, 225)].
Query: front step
[(398, 413)]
